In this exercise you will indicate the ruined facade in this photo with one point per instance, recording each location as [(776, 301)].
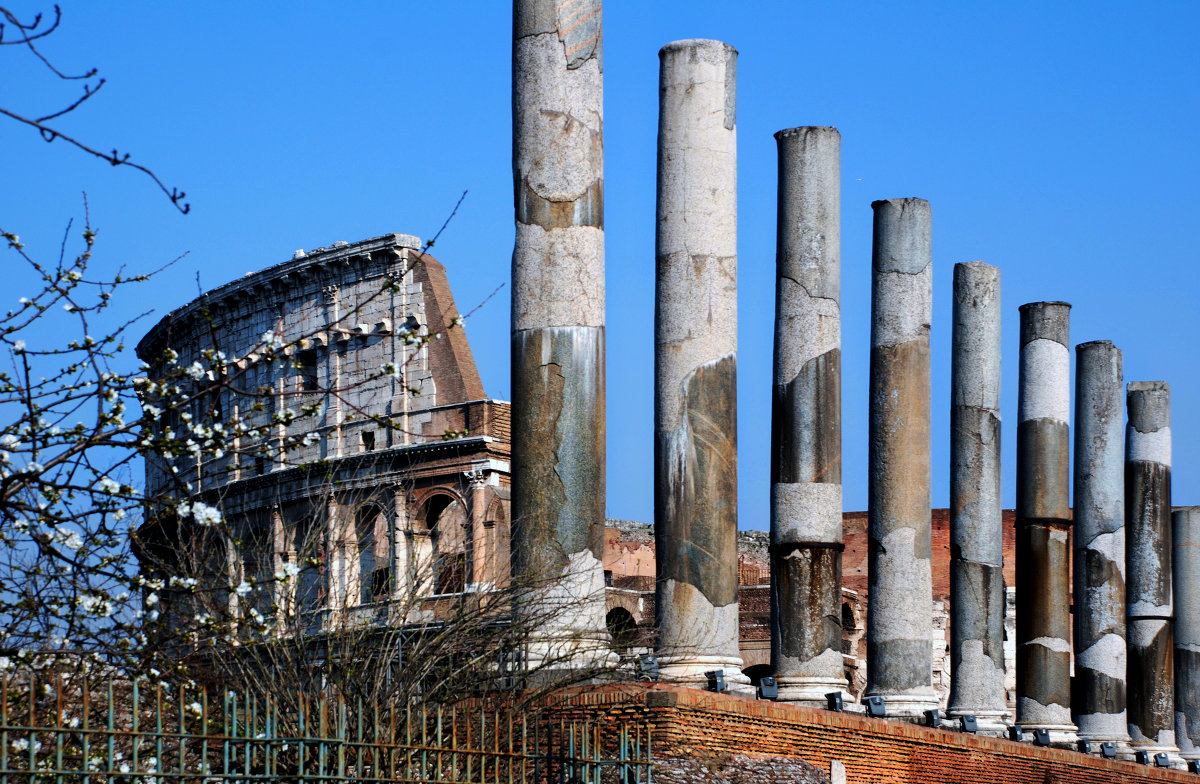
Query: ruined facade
[(384, 471)]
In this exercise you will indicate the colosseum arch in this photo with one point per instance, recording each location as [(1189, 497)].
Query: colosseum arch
[(442, 546), (374, 569)]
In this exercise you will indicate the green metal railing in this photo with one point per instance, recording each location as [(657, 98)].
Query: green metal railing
[(73, 729)]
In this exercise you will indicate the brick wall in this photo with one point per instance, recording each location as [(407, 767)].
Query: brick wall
[(691, 723)]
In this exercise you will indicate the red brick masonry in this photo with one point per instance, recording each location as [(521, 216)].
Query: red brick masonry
[(687, 722)]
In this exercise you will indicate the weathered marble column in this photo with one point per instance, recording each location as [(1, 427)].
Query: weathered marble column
[(1148, 567), (695, 364), (900, 611), (558, 417), (1044, 522), (1099, 546), (1186, 567), (976, 527), (806, 422)]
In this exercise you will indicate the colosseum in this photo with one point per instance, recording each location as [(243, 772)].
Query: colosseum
[(385, 469)]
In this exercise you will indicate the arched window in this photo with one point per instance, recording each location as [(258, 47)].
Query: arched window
[(445, 518), (374, 563)]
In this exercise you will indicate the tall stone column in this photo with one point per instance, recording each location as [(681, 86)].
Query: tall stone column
[(1099, 546), (695, 363), (1148, 567), (558, 417), (900, 608), (1044, 522), (402, 566), (1186, 568), (806, 422), (976, 526)]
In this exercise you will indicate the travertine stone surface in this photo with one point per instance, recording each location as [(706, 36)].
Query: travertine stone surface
[(806, 430), (1043, 522), (558, 318), (899, 568), (1186, 569), (976, 533), (1148, 567), (695, 362), (1099, 546)]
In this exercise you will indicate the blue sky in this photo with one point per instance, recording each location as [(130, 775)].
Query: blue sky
[(1056, 144)]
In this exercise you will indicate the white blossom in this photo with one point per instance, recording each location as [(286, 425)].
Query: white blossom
[(67, 538), (288, 571), (206, 515), (108, 486), (242, 588), (196, 371)]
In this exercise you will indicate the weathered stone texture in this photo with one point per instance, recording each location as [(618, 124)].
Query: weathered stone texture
[(1043, 522), (1185, 531), (695, 447), (558, 311), (806, 437), (977, 539), (1148, 567), (1099, 546), (898, 620)]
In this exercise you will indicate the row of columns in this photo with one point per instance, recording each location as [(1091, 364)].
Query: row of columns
[(1125, 653)]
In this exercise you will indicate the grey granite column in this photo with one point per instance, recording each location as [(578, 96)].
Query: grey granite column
[(976, 527), (1148, 567), (1186, 567), (900, 610), (1044, 522), (695, 364), (806, 423), (1098, 700), (558, 417)]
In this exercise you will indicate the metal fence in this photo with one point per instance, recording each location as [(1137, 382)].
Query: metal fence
[(74, 729)]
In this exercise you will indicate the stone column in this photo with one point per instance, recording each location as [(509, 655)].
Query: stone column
[(1148, 567), (695, 364), (976, 527), (1044, 522), (1099, 546), (558, 389), (900, 607), (402, 566), (806, 423), (481, 567), (1186, 568)]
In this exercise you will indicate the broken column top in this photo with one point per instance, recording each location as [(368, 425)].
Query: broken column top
[(1149, 435), (808, 130), (1045, 321), (700, 45)]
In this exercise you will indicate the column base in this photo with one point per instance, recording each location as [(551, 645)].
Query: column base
[(1106, 728), (692, 671), (907, 707), (993, 723), (1062, 736), (811, 692), (1174, 758)]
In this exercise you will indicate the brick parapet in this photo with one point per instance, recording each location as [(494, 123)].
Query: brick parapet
[(687, 722)]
